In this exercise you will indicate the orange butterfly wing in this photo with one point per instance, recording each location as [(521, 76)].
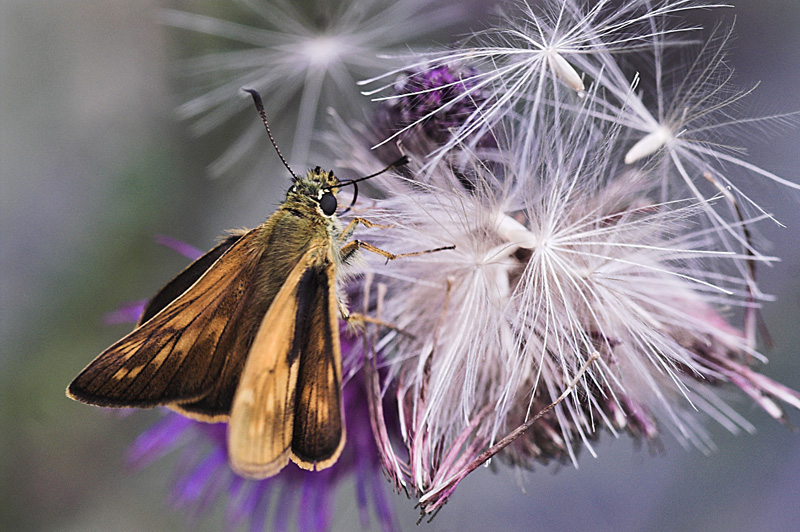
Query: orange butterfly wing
[(288, 403), (179, 355)]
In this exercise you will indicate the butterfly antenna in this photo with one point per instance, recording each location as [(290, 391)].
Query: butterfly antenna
[(402, 161), (260, 108)]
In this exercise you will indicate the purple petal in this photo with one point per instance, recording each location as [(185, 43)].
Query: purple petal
[(361, 494), (183, 248), (383, 510), (192, 487), (284, 507), (216, 432), (128, 313), (158, 440), (314, 510), (238, 495), (260, 505)]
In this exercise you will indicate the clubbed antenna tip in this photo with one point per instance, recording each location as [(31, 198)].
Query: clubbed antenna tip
[(260, 108)]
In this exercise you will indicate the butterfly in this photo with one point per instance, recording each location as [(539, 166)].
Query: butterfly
[(249, 334)]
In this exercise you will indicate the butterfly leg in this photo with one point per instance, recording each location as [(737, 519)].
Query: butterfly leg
[(353, 246), (348, 231), (358, 319)]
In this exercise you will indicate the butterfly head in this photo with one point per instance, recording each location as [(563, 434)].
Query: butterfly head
[(316, 190)]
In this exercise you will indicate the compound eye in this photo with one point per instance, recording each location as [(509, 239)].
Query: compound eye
[(328, 203)]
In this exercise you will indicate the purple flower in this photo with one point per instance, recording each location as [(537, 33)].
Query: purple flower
[(203, 476), (433, 99)]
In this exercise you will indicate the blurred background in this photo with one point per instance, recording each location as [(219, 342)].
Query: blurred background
[(94, 162)]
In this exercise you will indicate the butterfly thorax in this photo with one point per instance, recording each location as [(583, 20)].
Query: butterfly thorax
[(305, 220)]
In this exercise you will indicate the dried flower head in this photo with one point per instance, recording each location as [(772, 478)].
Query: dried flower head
[(426, 101), (307, 56), (519, 68), (555, 260), (682, 121)]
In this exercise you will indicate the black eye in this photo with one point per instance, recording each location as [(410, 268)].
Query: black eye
[(328, 203)]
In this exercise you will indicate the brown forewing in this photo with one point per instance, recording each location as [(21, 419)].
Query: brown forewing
[(177, 286), (319, 431), (180, 354)]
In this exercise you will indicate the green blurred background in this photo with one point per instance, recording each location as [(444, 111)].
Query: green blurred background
[(93, 164)]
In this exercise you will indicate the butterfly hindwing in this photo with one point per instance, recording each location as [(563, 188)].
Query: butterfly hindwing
[(319, 432), (178, 354), (278, 394)]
